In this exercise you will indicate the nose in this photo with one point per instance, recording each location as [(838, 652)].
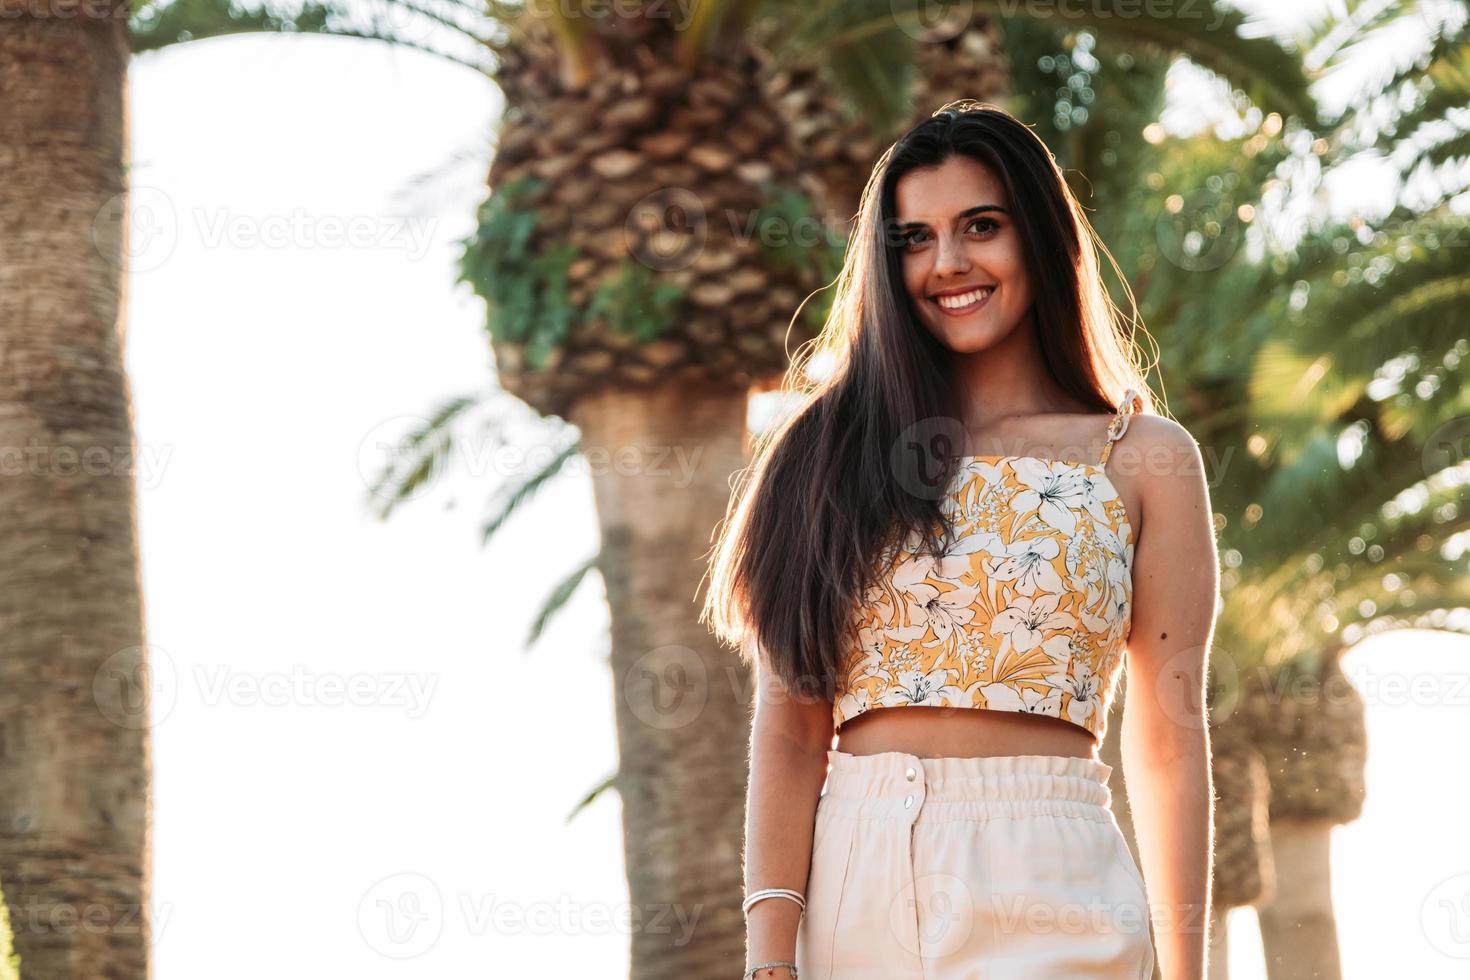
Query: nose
[(951, 258)]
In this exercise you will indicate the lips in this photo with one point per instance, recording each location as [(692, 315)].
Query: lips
[(959, 304)]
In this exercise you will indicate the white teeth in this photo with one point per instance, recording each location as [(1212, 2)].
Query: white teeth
[(964, 299)]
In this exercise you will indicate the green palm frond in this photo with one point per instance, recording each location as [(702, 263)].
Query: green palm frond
[(1424, 607), (1294, 391), (1405, 293), (1440, 78), (711, 21), (558, 599), (1454, 149), (1427, 399), (1296, 494), (515, 496), (404, 23), (1335, 35), (1401, 596), (1206, 33), (1334, 38), (1416, 519), (862, 51), (419, 457), (1416, 115), (1290, 588), (610, 781)]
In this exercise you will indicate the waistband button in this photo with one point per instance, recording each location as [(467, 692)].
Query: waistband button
[(908, 801), (910, 773)]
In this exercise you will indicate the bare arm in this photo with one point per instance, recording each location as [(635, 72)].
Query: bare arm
[(789, 741), (1165, 739)]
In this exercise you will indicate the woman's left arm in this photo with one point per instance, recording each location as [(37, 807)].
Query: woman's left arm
[(1165, 737)]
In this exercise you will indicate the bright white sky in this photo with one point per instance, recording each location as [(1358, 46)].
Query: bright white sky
[(359, 770)]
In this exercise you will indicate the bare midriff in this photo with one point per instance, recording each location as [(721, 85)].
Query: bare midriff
[(934, 732)]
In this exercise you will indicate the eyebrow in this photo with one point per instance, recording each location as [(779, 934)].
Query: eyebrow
[(967, 213)]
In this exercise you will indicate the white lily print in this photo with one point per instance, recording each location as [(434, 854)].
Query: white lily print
[(939, 610), (1086, 691), (1026, 608), (849, 705), (1052, 490), (1097, 490), (917, 687), (1002, 697), (1028, 563), (1026, 621), (1109, 597), (869, 660), (957, 562)]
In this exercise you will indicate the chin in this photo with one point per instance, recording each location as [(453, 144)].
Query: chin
[(969, 348), (967, 340)]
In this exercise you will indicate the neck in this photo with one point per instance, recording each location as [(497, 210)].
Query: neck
[(1008, 380)]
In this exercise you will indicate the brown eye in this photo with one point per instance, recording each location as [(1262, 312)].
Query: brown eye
[(985, 221)]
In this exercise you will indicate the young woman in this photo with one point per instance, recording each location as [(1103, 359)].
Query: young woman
[(940, 558)]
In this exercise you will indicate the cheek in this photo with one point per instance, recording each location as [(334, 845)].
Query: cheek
[(1013, 269), (915, 274)]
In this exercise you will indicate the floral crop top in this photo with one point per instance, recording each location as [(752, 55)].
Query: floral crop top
[(1028, 611)]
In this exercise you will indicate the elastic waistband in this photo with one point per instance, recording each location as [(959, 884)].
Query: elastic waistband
[(913, 787)]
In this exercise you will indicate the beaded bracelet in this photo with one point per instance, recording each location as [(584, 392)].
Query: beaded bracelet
[(750, 974)]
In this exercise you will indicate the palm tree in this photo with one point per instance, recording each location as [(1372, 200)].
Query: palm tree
[(625, 297), (1359, 395), (1309, 723), (74, 750), (1285, 368)]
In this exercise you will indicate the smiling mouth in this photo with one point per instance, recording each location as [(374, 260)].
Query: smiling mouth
[(963, 303)]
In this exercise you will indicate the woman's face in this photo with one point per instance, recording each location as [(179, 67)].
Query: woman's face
[(955, 236)]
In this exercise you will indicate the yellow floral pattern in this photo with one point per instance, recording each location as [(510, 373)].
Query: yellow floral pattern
[(1028, 610)]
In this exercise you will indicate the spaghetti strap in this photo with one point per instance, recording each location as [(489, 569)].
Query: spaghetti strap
[(1132, 403)]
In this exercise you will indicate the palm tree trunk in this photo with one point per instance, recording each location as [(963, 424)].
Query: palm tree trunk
[(74, 746), (1314, 742), (662, 460), (1298, 926)]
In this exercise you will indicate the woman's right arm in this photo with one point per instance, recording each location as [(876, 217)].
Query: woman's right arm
[(789, 740)]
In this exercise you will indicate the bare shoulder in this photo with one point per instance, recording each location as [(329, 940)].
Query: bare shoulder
[(1161, 463), (1156, 435)]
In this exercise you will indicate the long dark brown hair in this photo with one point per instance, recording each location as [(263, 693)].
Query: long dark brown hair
[(853, 468)]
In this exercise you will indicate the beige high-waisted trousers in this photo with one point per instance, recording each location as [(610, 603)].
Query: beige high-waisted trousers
[(987, 868)]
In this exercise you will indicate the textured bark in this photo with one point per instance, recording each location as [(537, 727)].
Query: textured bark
[(1310, 728), (683, 701), (74, 755), (840, 150), (1298, 926), (656, 169), (705, 144)]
